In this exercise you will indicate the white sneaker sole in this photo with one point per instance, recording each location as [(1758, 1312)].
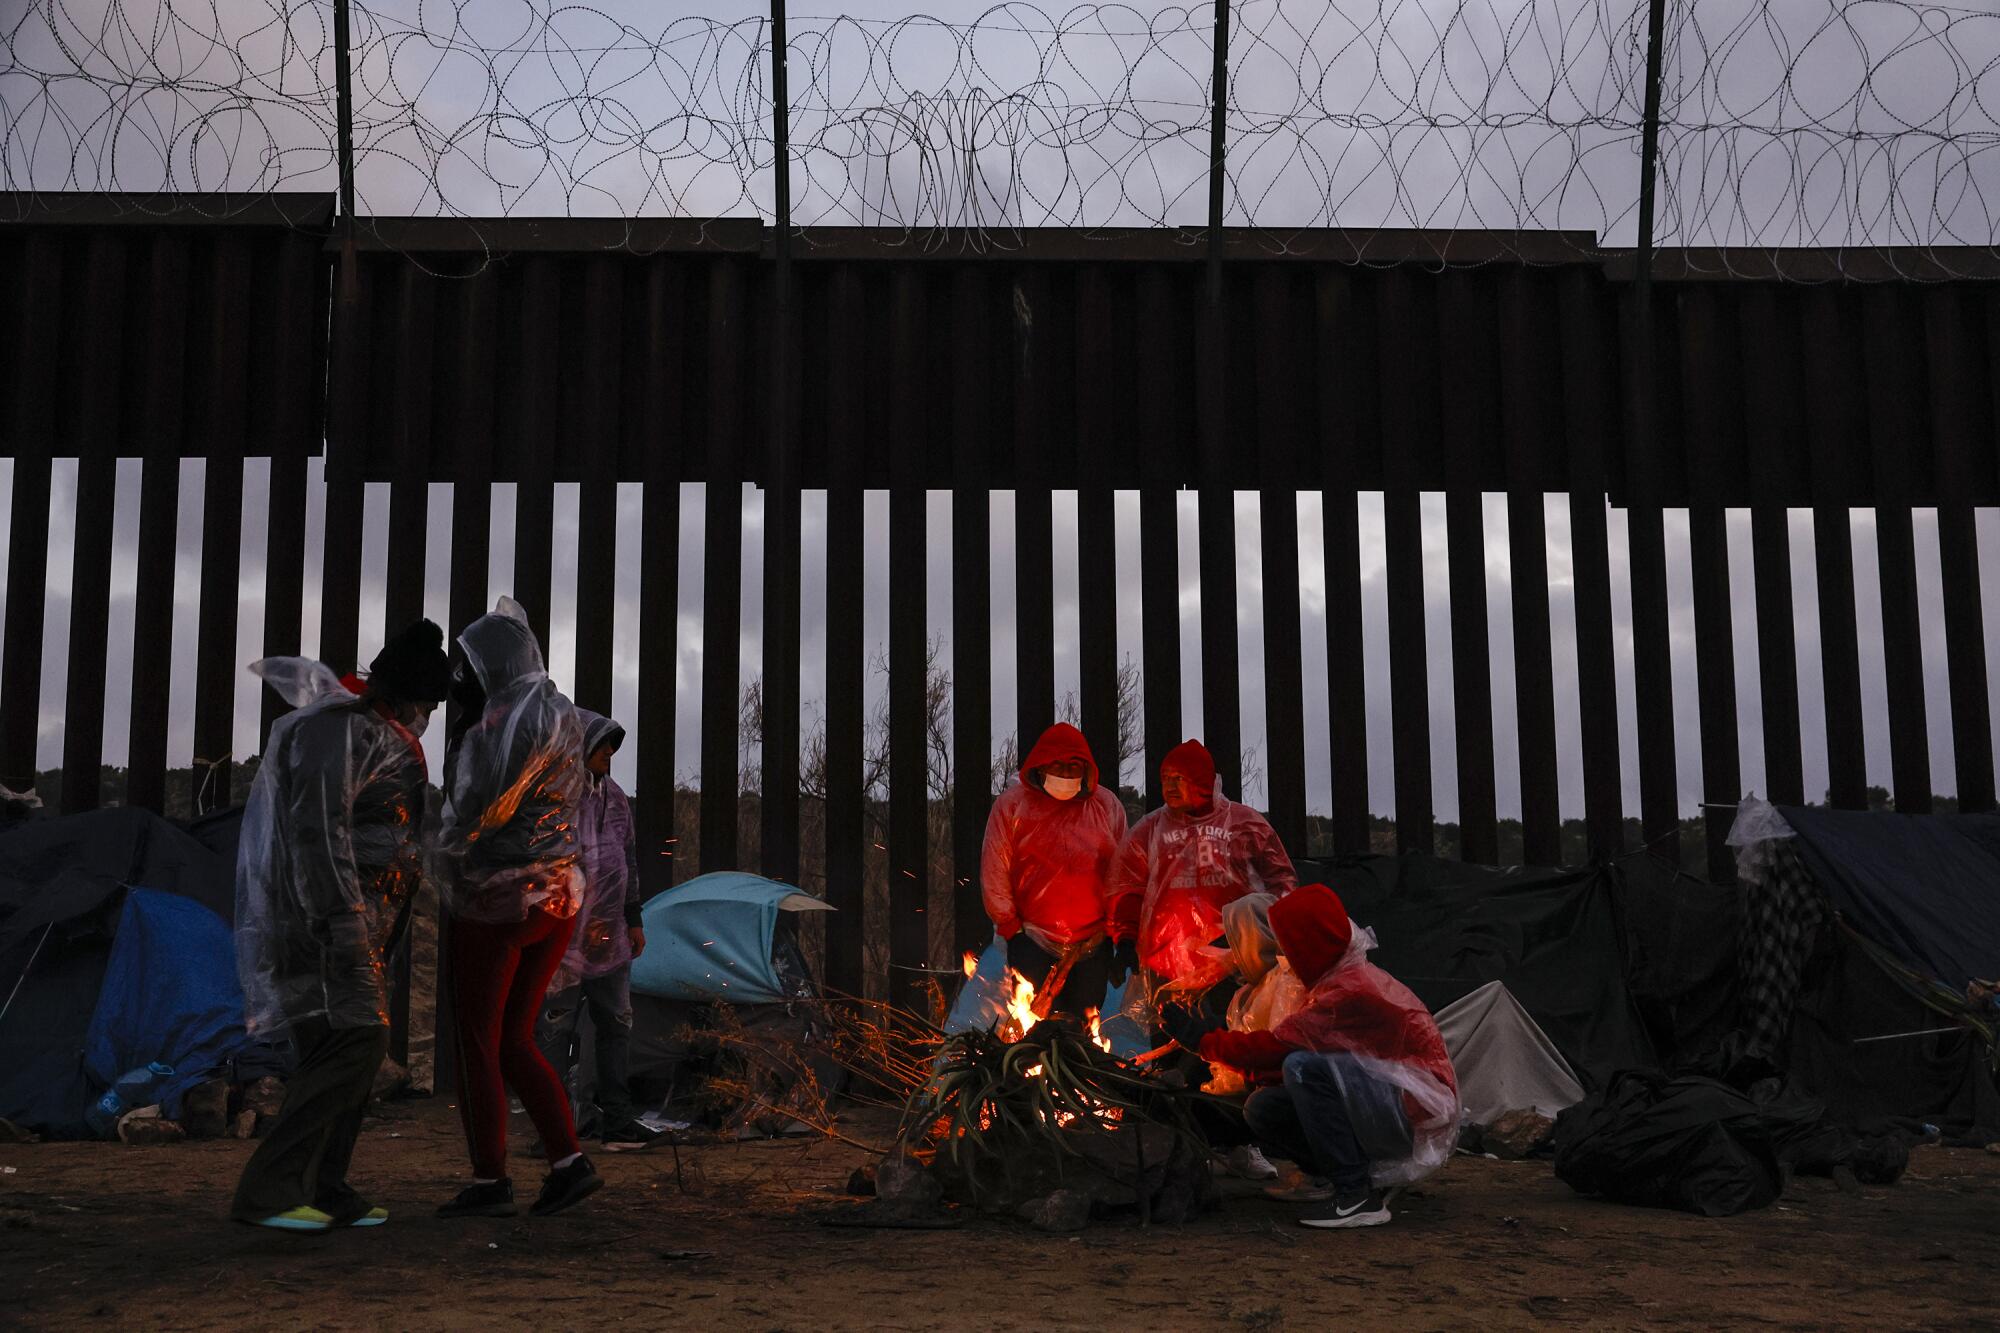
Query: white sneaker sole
[(1352, 1220)]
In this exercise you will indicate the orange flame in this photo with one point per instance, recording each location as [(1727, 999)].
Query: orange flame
[(971, 962), (1020, 1002), (1097, 1037)]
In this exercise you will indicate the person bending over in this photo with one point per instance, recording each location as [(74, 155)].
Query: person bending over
[(1356, 1087)]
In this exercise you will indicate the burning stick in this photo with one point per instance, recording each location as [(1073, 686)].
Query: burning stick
[(1072, 954)]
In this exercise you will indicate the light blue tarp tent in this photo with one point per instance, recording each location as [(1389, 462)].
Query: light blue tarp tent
[(715, 938), (983, 999)]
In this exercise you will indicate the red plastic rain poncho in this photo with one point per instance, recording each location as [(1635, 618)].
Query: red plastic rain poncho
[(1045, 863), (1176, 872), (513, 783), (1356, 1010), (329, 855)]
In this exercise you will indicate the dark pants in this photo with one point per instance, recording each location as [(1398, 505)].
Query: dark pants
[(1330, 1117), (1088, 978), (499, 974), (609, 1001), (303, 1158)]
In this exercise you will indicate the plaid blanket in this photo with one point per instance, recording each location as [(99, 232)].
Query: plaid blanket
[(1784, 911)]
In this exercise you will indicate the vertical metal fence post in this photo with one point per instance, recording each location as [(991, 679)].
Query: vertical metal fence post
[(1221, 719), (779, 831)]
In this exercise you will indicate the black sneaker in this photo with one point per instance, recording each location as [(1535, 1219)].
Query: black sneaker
[(1348, 1208), (629, 1136), (495, 1200), (567, 1186)]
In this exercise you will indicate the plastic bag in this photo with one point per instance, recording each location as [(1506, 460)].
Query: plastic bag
[(1756, 835)]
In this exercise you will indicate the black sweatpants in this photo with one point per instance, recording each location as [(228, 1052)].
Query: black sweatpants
[(303, 1158)]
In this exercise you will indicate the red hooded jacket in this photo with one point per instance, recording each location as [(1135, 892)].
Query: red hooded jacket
[(1353, 1005), (1045, 861)]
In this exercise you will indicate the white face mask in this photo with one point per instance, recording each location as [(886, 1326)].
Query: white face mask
[(1061, 788), (415, 717)]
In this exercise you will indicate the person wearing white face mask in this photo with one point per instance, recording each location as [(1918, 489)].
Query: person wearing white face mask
[(1043, 870)]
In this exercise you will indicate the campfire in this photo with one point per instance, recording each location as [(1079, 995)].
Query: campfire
[(1038, 1103)]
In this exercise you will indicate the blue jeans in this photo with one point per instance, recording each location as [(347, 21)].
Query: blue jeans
[(1331, 1117), (609, 1000)]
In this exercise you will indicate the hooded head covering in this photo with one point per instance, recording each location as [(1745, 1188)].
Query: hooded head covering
[(1253, 946), (412, 666), (1058, 743), (599, 731), (1192, 761), (1313, 930), (500, 648)]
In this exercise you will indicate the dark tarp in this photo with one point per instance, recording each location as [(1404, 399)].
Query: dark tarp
[(1684, 1142), (1926, 887), (1634, 966), (1557, 938), (62, 887)]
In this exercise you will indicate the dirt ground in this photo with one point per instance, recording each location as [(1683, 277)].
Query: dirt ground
[(91, 1233)]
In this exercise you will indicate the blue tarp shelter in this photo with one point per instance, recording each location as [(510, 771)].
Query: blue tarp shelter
[(115, 951), (717, 938)]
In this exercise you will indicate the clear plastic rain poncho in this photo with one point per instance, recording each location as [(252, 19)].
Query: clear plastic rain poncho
[(329, 857), (601, 943), (513, 783), (1186, 868), (1042, 867), (1368, 1024)]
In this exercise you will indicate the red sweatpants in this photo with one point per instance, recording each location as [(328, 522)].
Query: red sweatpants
[(499, 975)]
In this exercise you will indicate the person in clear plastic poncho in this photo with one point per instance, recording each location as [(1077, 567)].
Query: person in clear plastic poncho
[(1358, 1087), (329, 857), (596, 973), (509, 862)]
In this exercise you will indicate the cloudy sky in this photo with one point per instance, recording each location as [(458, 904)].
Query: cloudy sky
[(1516, 112)]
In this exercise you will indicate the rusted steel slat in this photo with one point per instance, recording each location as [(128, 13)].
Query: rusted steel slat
[(1898, 429), (1160, 629), (89, 617), (1903, 660), (1715, 665), (971, 604), (1534, 677), (660, 425), (1962, 431), (215, 641), (722, 572), (1346, 682), (152, 625), (1472, 678), (1409, 671), (416, 349), (1099, 429), (284, 576), (845, 797), (909, 571), (1835, 414)]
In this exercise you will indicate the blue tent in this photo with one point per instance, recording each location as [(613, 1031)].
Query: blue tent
[(97, 978), (170, 994), (717, 937)]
